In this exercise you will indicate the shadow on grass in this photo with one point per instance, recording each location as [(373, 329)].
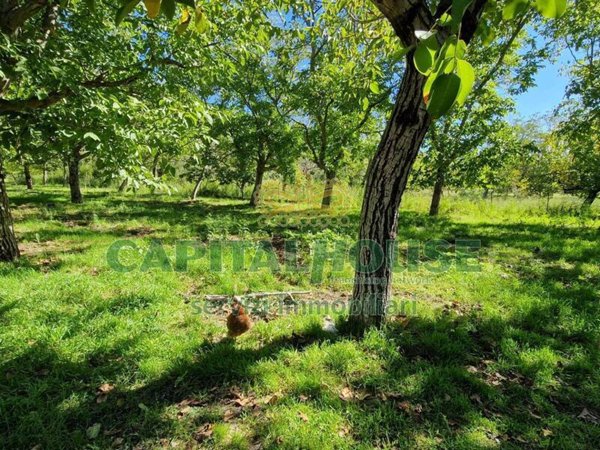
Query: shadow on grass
[(138, 414)]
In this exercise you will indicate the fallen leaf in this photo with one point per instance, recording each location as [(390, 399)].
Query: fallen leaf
[(405, 406), (344, 431), (361, 395), (303, 416), (204, 432), (346, 394), (183, 412), (117, 442), (472, 369), (93, 431), (105, 389), (588, 416), (270, 399), (546, 432), (230, 413)]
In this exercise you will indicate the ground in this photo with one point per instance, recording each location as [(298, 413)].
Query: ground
[(502, 357)]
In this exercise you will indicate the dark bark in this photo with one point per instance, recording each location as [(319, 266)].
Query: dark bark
[(258, 181), (437, 193), (196, 188), (74, 181), (9, 250), (242, 188), (155, 169), (387, 176), (389, 169), (8, 107), (28, 178), (328, 191), (589, 199), (14, 14), (123, 185)]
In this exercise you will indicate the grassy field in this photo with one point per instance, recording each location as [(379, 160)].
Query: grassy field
[(503, 357)]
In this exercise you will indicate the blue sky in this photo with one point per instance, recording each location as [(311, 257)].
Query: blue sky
[(548, 92)]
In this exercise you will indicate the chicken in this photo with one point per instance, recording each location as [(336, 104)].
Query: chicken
[(238, 321)]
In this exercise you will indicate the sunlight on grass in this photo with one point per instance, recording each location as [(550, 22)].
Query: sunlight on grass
[(506, 356)]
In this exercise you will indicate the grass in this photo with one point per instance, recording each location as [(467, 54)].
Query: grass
[(505, 357)]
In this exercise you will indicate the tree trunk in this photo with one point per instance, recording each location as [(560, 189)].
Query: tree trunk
[(196, 188), (123, 185), (28, 179), (328, 191), (74, 183), (155, 170), (260, 173), (9, 250), (434, 209), (387, 176), (590, 199), (45, 175)]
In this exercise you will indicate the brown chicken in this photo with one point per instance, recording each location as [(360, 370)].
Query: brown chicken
[(238, 321)]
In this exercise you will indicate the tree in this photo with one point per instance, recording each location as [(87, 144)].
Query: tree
[(54, 53), (9, 250), (344, 78), (251, 84), (429, 88), (509, 63), (579, 114), (583, 154)]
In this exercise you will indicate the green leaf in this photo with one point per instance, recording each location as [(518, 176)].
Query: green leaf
[(125, 10), (184, 22), (425, 54), (454, 48), (514, 8), (201, 22), (466, 73), (374, 86), (552, 9), (365, 103), (168, 8), (444, 92), (91, 4), (445, 20), (153, 8), (458, 11)]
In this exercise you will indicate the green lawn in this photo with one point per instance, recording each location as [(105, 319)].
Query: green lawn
[(503, 357)]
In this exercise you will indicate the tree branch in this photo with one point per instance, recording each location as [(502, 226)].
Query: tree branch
[(25, 105)]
